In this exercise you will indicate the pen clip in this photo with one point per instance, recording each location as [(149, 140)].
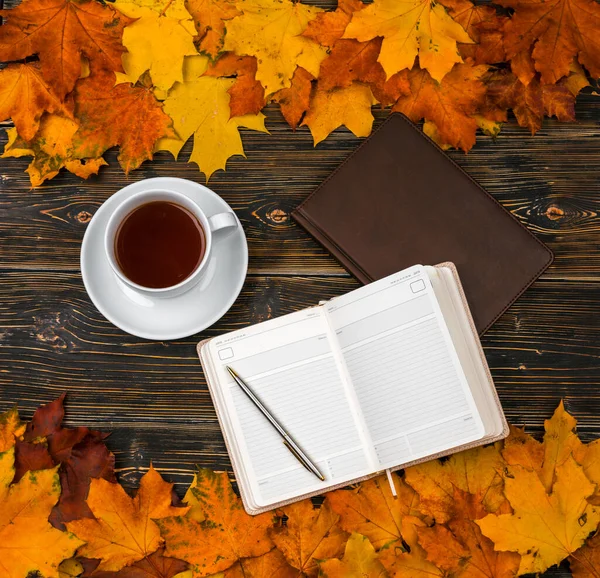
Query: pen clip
[(296, 455)]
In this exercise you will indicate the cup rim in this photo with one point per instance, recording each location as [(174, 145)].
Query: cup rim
[(199, 213)]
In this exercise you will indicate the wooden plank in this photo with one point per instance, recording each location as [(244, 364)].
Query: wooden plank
[(53, 340), (548, 181)]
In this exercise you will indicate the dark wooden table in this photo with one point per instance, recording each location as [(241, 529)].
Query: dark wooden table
[(152, 395)]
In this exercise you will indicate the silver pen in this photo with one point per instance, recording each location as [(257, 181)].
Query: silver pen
[(289, 443)]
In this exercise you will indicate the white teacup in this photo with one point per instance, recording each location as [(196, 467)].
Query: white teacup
[(209, 225)]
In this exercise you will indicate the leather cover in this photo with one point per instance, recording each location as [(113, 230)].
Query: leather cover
[(399, 200)]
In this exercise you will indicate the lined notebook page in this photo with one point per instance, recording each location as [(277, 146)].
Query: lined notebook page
[(288, 362), (403, 367)]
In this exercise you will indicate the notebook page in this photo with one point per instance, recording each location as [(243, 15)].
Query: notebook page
[(404, 369), (289, 364)]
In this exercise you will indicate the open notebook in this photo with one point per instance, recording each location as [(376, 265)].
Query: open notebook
[(385, 376)]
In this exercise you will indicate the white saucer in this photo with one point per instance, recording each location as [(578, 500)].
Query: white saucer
[(175, 317)]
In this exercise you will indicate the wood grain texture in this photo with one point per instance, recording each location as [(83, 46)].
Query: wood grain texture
[(548, 181), (152, 395)]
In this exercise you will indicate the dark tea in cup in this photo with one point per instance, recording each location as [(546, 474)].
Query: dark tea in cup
[(159, 244)]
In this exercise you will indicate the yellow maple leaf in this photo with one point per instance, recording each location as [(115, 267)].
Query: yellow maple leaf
[(28, 543), (350, 107), (52, 150), (478, 471), (200, 107), (309, 535), (70, 568), (124, 529), (11, 427), (158, 41), (410, 28), (225, 535), (359, 561), (371, 510), (544, 528), (270, 30)]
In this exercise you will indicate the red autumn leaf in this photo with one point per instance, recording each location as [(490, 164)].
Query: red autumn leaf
[(450, 104), (59, 32), (80, 451), (559, 31), (528, 102), (31, 457), (247, 95), (328, 27), (124, 115), (295, 100), (25, 96)]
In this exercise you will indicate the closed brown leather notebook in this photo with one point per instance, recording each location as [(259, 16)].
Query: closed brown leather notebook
[(400, 200)]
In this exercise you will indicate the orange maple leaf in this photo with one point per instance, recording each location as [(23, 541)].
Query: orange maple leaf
[(585, 562), (220, 532), (209, 18), (528, 102), (25, 96), (124, 115), (372, 511), (157, 565), (295, 100), (328, 27), (270, 565), (309, 535), (350, 60), (451, 104), (59, 32), (559, 31), (124, 529), (485, 27), (247, 95)]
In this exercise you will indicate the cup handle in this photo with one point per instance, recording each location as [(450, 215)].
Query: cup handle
[(222, 221)]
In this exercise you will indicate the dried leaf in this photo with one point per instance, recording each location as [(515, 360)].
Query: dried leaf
[(410, 28), (154, 566), (350, 61), (28, 543), (478, 471), (309, 535), (350, 107), (11, 427), (372, 511), (31, 457), (25, 96), (359, 561), (451, 104), (544, 528), (521, 449), (246, 94), (226, 534), (70, 568), (558, 30), (124, 529), (200, 107), (400, 563), (210, 17), (269, 565), (157, 41), (460, 549), (484, 26), (52, 150), (124, 115), (295, 100), (328, 27), (59, 32), (271, 31), (585, 562)]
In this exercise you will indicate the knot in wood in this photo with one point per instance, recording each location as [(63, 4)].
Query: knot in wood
[(278, 216), (554, 213), (83, 217)]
